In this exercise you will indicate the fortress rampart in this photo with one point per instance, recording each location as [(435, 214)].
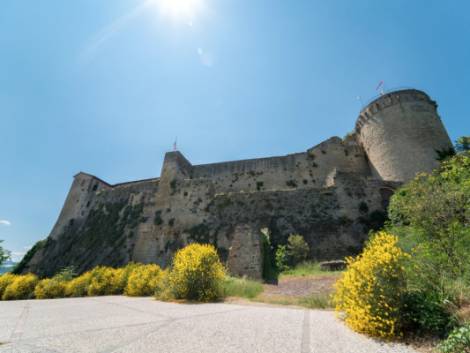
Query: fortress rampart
[(332, 194)]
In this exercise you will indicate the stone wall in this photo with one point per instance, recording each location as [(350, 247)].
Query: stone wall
[(332, 194)]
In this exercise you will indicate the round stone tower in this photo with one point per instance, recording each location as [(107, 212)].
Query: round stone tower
[(400, 133)]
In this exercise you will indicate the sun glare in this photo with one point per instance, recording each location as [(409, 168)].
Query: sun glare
[(185, 10)]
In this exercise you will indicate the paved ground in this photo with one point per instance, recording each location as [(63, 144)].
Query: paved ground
[(141, 325)]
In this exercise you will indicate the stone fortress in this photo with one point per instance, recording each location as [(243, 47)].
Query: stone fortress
[(332, 194)]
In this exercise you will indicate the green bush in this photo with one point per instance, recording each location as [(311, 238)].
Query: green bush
[(297, 249), (143, 280), (5, 281), (458, 341), (22, 287), (241, 287), (49, 288), (66, 274), (197, 273), (281, 258), (423, 313)]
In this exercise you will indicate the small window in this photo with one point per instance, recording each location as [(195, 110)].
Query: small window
[(88, 204), (95, 187)]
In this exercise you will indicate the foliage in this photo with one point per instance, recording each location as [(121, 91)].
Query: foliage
[(143, 280), (28, 256), (4, 254), (423, 313), (5, 281), (458, 341), (49, 288), (462, 144), (22, 287), (78, 287), (445, 153), (432, 216), (197, 273), (66, 274), (281, 258), (105, 281), (371, 289), (297, 249), (241, 287), (270, 272)]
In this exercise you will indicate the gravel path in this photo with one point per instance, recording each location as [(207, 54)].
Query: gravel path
[(141, 325)]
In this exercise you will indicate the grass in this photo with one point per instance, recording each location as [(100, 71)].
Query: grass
[(242, 287), (312, 301), (308, 269)]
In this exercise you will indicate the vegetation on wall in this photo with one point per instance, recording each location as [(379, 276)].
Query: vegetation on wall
[(28, 256)]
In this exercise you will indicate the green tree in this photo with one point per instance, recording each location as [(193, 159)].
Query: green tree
[(297, 249), (431, 214), (462, 144), (4, 254)]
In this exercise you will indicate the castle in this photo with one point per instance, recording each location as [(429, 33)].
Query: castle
[(332, 194)]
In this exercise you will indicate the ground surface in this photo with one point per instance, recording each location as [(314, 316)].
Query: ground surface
[(122, 324)]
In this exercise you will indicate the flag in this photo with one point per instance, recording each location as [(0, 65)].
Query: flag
[(381, 83), (174, 145)]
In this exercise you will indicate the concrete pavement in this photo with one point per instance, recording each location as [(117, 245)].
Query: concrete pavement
[(144, 325)]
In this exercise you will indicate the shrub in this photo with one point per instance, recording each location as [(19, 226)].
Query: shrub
[(66, 274), (423, 313), (197, 273), (22, 287), (458, 341), (105, 281), (297, 249), (370, 291), (5, 281), (143, 280), (281, 258), (49, 288), (78, 287), (241, 287)]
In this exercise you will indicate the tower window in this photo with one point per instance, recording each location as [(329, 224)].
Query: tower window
[(95, 187)]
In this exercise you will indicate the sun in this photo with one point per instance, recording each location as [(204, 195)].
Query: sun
[(185, 10)]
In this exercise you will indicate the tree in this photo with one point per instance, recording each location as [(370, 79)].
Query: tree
[(4, 254), (432, 216), (297, 249), (462, 144)]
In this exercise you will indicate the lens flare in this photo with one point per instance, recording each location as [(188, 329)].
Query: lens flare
[(185, 10)]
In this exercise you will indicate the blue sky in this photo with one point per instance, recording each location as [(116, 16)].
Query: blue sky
[(105, 86)]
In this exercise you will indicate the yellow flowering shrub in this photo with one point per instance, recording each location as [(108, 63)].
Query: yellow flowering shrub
[(105, 281), (22, 287), (49, 288), (5, 281), (370, 291), (143, 280), (197, 273), (78, 287)]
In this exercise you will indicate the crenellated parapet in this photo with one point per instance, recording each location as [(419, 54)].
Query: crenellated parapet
[(392, 98)]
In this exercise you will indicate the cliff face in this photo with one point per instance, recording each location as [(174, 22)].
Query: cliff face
[(332, 194)]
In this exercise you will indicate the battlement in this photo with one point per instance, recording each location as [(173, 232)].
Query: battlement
[(390, 99)]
